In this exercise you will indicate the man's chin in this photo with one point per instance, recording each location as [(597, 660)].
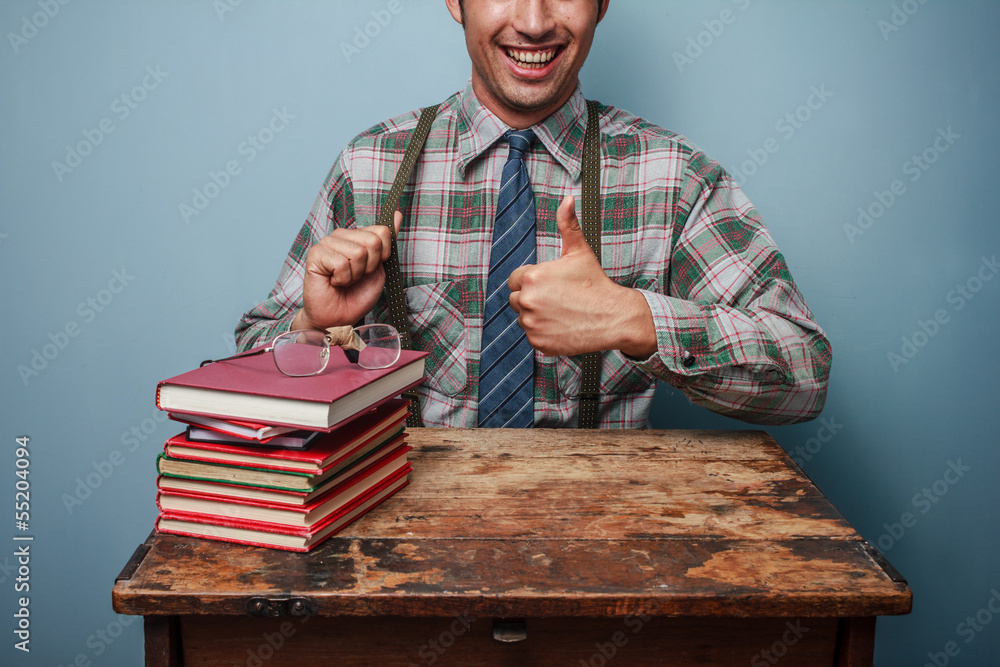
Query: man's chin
[(532, 98), (535, 99)]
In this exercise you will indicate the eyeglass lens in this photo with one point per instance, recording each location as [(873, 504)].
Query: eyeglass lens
[(381, 346), (301, 353)]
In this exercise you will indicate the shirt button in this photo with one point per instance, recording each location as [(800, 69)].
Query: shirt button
[(689, 361)]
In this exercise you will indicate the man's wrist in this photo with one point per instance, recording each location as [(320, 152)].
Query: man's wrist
[(301, 321), (637, 330)]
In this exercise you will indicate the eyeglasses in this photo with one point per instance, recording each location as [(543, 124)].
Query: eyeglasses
[(307, 352)]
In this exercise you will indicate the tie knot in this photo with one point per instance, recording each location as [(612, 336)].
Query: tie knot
[(520, 141)]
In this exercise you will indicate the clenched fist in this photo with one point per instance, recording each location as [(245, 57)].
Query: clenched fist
[(344, 276)]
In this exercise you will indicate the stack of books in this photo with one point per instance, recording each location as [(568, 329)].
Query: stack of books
[(277, 461)]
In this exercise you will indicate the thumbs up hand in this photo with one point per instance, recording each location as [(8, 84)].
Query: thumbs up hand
[(573, 240), (569, 306)]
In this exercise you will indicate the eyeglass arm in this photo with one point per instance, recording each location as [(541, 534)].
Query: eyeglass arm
[(252, 353)]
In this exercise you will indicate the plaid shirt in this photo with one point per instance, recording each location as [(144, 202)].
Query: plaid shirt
[(733, 331)]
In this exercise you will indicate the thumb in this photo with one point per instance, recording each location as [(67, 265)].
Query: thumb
[(570, 231)]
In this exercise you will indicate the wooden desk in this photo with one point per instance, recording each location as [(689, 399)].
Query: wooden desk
[(602, 547)]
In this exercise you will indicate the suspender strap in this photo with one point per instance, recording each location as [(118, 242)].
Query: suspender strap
[(393, 291), (590, 378), (591, 225)]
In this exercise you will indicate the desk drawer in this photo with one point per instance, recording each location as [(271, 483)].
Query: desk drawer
[(386, 641)]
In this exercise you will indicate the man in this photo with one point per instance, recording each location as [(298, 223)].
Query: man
[(692, 291)]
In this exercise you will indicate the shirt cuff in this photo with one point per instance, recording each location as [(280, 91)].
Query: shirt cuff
[(683, 344), (284, 324)]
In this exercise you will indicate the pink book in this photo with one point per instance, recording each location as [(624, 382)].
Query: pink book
[(252, 388), (256, 533), (264, 511), (380, 422), (391, 451)]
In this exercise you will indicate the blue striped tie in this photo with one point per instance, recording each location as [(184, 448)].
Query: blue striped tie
[(506, 366)]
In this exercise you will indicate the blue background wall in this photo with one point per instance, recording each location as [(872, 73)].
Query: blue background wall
[(110, 288)]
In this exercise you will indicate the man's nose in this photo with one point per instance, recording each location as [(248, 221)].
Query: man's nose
[(534, 18)]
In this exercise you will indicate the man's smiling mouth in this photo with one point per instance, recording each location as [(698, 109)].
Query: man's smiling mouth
[(532, 59)]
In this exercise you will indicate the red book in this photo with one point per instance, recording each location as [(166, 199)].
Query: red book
[(256, 533), (307, 516), (325, 451), (252, 388), (281, 497), (277, 479)]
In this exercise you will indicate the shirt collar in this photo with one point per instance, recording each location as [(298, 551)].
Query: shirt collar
[(561, 133)]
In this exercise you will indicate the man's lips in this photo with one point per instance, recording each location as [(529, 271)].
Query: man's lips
[(533, 61)]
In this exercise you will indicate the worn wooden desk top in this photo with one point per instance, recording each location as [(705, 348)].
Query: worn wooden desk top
[(556, 523)]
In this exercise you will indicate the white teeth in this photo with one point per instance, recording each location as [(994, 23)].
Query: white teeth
[(530, 58)]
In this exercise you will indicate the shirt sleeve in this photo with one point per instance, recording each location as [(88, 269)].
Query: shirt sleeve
[(334, 207), (733, 331)]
